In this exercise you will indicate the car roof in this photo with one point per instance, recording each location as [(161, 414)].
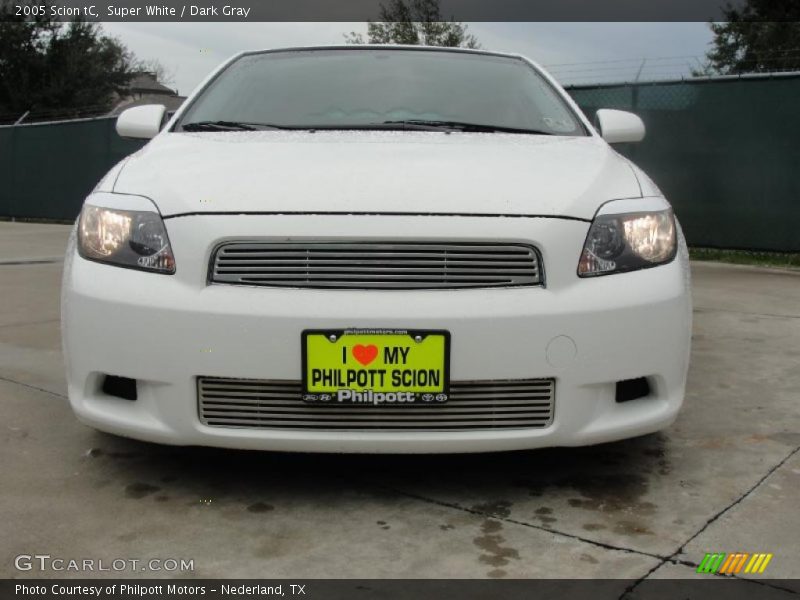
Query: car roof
[(357, 47)]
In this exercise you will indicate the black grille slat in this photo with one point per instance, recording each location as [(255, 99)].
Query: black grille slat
[(376, 265), (474, 405)]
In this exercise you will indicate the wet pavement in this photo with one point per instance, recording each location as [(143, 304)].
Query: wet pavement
[(724, 478)]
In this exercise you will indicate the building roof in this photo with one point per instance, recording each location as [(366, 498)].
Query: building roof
[(146, 83), (171, 102)]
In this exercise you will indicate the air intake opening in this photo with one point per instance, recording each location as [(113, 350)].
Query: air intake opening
[(120, 387), (632, 389), (472, 406)]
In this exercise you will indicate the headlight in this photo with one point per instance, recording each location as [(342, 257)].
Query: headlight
[(626, 242), (127, 238)]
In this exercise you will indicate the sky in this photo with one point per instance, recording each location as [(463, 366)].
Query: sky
[(573, 52)]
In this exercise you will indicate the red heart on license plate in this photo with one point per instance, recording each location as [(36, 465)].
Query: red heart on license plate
[(365, 354)]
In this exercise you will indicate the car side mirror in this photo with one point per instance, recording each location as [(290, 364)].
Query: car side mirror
[(142, 122), (617, 126)]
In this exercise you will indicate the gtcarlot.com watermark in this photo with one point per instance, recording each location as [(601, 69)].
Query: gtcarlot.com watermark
[(46, 562)]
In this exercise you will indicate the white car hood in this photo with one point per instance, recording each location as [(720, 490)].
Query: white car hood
[(377, 172)]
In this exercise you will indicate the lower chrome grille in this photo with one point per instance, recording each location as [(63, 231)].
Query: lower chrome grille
[(473, 405), (376, 265)]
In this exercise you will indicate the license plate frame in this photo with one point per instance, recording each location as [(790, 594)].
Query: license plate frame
[(388, 394)]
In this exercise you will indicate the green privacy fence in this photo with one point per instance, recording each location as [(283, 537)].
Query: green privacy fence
[(726, 152), (46, 170)]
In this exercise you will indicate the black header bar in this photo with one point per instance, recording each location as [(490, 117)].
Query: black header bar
[(363, 10)]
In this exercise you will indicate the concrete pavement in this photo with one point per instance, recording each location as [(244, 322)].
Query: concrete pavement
[(724, 478)]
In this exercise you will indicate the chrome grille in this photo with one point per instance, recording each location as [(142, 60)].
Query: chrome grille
[(376, 265), (473, 405)]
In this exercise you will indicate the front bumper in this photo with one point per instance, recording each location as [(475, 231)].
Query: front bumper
[(166, 331)]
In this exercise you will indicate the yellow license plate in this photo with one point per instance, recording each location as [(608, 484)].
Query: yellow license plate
[(376, 366)]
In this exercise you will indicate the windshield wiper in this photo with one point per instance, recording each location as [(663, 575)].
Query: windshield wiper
[(463, 126), (225, 126), (385, 126), (402, 125), (242, 126)]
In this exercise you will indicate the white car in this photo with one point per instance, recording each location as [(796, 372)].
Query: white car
[(377, 249)]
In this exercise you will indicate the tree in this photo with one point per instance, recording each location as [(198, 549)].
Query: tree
[(159, 71), (415, 22), (762, 35), (65, 68)]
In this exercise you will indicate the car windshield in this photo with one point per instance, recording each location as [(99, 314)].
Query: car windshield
[(360, 88)]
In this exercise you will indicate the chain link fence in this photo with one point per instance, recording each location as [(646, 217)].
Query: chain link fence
[(48, 169), (725, 152)]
